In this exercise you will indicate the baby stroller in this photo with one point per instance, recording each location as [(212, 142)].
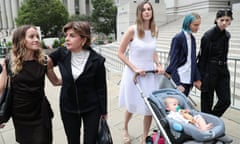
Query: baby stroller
[(173, 131)]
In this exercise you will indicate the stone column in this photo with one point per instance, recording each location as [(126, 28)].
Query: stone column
[(3, 14), (15, 7), (0, 20), (71, 7), (9, 14), (82, 6), (89, 7)]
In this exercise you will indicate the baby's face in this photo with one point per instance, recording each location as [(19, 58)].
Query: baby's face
[(171, 104)]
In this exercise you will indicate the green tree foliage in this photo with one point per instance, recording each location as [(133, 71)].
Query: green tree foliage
[(58, 42), (104, 16), (50, 15)]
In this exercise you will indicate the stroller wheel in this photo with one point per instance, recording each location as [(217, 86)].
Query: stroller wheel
[(225, 139)]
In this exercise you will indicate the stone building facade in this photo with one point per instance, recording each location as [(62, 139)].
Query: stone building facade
[(9, 11), (166, 10)]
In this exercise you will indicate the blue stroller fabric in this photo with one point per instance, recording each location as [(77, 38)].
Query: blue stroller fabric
[(157, 100)]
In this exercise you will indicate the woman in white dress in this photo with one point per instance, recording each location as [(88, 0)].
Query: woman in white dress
[(141, 39)]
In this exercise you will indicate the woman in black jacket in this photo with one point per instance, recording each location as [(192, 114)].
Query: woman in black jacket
[(213, 65), (84, 90)]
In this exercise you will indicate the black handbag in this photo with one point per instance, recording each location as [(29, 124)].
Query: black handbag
[(6, 97), (6, 102), (104, 134)]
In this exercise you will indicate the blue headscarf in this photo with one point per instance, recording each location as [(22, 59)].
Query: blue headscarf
[(188, 19)]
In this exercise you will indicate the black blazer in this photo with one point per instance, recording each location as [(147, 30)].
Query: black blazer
[(178, 57), (89, 91)]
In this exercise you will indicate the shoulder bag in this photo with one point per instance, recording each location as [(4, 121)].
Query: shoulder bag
[(6, 101)]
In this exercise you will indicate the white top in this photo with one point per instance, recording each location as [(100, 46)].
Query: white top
[(185, 70), (78, 62), (177, 116)]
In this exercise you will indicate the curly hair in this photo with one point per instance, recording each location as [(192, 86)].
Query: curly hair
[(19, 49)]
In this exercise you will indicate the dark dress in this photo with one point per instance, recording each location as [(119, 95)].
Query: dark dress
[(31, 111)]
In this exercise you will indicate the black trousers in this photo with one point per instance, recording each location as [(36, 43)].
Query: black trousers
[(73, 122), (216, 79)]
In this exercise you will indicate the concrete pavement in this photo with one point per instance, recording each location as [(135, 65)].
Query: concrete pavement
[(115, 117)]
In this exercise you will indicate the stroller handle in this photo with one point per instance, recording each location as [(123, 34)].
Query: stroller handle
[(149, 71)]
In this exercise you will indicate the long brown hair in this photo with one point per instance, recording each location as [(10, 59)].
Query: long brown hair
[(19, 49), (139, 20)]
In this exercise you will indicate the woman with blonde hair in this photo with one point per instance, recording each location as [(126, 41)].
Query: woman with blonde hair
[(31, 112), (142, 41)]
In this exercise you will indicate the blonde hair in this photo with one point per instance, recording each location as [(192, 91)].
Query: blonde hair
[(139, 20), (19, 49), (166, 100)]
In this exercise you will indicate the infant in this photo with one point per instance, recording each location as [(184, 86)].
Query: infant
[(183, 115)]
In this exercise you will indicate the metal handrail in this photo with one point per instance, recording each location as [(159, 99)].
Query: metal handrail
[(113, 63)]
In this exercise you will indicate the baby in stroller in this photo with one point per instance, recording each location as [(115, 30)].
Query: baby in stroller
[(183, 115), (211, 129)]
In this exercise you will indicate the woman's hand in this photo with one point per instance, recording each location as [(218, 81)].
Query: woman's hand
[(198, 84), (180, 88), (140, 72), (2, 125), (160, 69), (104, 116)]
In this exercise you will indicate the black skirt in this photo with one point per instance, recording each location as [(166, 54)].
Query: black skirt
[(38, 134)]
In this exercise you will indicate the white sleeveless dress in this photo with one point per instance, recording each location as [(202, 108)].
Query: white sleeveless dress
[(141, 55)]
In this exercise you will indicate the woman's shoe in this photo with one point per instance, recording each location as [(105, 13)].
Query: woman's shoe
[(126, 137)]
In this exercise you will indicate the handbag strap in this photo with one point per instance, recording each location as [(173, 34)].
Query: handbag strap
[(45, 62), (8, 62)]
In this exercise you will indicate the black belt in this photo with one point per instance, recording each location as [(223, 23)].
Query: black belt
[(218, 62)]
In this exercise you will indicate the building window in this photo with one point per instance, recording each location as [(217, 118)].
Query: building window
[(88, 7), (76, 3)]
